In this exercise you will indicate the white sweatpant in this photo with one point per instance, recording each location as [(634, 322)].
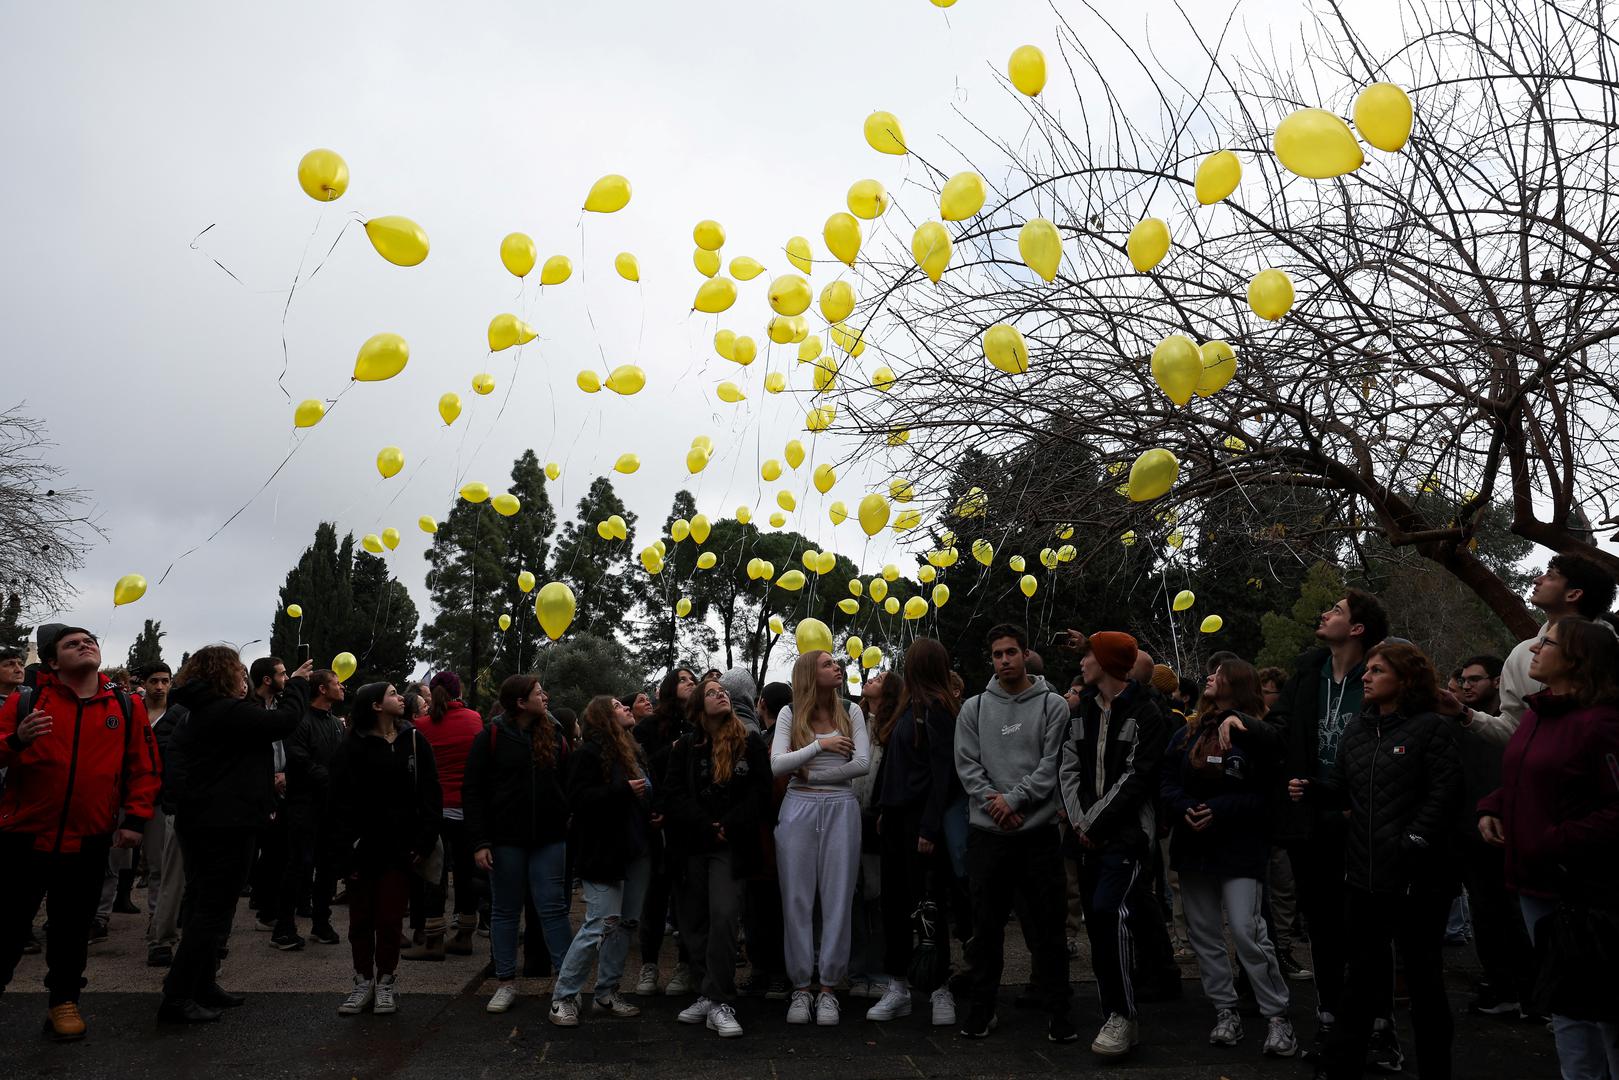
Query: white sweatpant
[(817, 855)]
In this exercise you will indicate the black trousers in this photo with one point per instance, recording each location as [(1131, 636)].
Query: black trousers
[(217, 863), (655, 910), (70, 885), (308, 871), (1414, 924), (909, 877), (458, 865), (761, 919), (269, 863), (1000, 865), (1318, 879), (1499, 936)]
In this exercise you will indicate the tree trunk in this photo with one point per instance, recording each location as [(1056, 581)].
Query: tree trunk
[(1507, 605)]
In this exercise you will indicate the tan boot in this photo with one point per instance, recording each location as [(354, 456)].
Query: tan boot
[(63, 1022), (461, 943), (432, 945)]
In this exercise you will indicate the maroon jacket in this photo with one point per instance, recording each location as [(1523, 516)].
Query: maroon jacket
[(450, 739), (1559, 798)]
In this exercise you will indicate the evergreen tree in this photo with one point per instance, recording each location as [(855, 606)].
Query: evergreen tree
[(13, 634), (528, 543), (351, 604), (663, 638), (579, 666), (599, 571), (1288, 636), (465, 580), (147, 649), (381, 627)]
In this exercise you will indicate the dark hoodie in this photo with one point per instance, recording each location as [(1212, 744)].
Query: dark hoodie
[(225, 752)]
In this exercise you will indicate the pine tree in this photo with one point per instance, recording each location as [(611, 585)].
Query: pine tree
[(600, 572), (381, 624), (528, 545), (321, 584), (1287, 636), (664, 639), (147, 649), (13, 634), (466, 582)]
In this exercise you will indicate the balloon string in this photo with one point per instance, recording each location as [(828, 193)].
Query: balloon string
[(286, 355)]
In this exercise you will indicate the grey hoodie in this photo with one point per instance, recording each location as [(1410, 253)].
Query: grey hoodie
[(1012, 746)]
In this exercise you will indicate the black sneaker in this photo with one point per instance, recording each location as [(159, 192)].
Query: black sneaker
[(159, 956), (287, 940), (1061, 1030), (1384, 1051), (98, 931), (1318, 1045), (323, 933), (1491, 1002), (979, 1023), (1292, 969)]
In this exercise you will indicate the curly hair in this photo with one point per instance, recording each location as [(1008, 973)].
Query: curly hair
[(729, 737), (1419, 683), (217, 667), (542, 734), (601, 726)]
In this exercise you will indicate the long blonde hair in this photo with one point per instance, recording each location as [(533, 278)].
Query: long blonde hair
[(809, 698)]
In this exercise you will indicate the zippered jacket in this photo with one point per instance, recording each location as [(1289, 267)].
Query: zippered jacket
[(1109, 778), (508, 800), (227, 755)]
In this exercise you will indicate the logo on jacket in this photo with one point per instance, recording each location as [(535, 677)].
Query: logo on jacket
[(1398, 751), (112, 721), (1007, 729)]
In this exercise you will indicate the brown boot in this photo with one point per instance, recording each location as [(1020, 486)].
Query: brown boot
[(63, 1022), (432, 943), (461, 943)]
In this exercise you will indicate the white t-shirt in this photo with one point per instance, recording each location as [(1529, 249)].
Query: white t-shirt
[(822, 770)]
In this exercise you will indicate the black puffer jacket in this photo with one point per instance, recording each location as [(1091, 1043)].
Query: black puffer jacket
[(609, 829), (508, 800), (385, 802), (310, 750), (1400, 777), (225, 755)]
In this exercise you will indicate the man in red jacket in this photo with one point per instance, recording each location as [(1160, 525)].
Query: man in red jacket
[(84, 776)]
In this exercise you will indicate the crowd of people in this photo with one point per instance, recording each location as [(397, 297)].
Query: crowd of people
[(1362, 805)]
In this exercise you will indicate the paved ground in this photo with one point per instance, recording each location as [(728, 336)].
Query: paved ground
[(290, 1029)]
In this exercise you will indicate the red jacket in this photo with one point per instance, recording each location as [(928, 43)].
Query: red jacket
[(450, 739), (92, 774), (1559, 798)]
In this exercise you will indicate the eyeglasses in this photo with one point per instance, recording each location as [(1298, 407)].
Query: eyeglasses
[(1473, 680), (714, 694)]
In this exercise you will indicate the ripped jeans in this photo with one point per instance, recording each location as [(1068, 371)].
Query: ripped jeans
[(605, 930)]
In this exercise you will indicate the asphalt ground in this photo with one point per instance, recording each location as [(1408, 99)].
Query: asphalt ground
[(290, 1028)]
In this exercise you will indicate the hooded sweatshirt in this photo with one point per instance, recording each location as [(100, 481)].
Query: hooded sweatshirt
[(1011, 746)]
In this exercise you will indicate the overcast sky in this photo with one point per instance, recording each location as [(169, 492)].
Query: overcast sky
[(132, 127)]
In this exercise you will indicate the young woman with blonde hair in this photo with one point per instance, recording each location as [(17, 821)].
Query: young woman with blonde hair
[(823, 746)]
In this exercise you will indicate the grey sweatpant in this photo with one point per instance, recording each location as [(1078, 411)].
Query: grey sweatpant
[(167, 885), (1202, 897), (817, 854)]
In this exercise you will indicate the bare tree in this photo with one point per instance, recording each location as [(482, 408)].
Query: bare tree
[(47, 528), (1450, 346)]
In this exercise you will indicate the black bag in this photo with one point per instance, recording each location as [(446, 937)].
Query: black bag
[(930, 960), (1577, 949)]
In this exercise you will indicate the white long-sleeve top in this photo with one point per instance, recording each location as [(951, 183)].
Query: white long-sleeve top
[(1515, 688), (822, 770)]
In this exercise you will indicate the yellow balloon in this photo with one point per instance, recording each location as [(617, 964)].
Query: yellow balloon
[(826, 562), (983, 551), (962, 196), (826, 374), (390, 459), (475, 491), (1317, 144), (381, 357), (785, 500), (891, 605), (427, 524), (128, 589), (1028, 584), (1217, 177), (344, 665), (372, 543), (770, 470), (608, 195), (856, 587), (850, 341), (1270, 294), (398, 239), (849, 606), (775, 382), (710, 235), (789, 295), (867, 199), (715, 295), (626, 379), (506, 330), (871, 655), (1041, 247), (483, 384), (651, 560), (295, 611), (1152, 474), (792, 580), (878, 590), (930, 247), (525, 581), (743, 515), (703, 441), (973, 504), (838, 512), (707, 262), (557, 269), (700, 528), (1176, 366), (820, 418), (628, 267), (901, 490), (941, 595), (1148, 243), (1027, 69), (776, 625), (798, 253), (724, 343), (1048, 558), (890, 572), (926, 574), (663, 552), (323, 174), (852, 644), (824, 477), (554, 607), (449, 407), (744, 268), (813, 635), (588, 381), (682, 607), (390, 538), (627, 464), (837, 301), (308, 413), (1383, 116), (1005, 349), (842, 236), (794, 453), (883, 133), (1183, 600), (883, 379), (696, 459), (915, 607), (506, 504), (1211, 624), (730, 393), (1016, 563), (873, 514), (743, 350), (553, 471), (1219, 366), (517, 254), (505, 621), (679, 529), (809, 350), (706, 560)]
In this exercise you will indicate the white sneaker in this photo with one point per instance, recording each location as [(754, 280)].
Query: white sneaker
[(681, 982), (1227, 1029), (504, 998), (360, 998), (648, 981), (1117, 1037), (696, 1012), (722, 1021), (385, 1001), (1280, 1040), (798, 1010), (610, 1003), (896, 1002), (872, 989), (565, 1012), (827, 1010), (944, 1007)]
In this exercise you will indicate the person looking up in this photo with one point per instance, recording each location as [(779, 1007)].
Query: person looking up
[(450, 727), (657, 734), (309, 751)]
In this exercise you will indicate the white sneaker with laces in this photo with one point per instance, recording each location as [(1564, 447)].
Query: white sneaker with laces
[(681, 982), (799, 1008), (722, 1021), (610, 1003), (647, 983), (505, 997), (944, 1007), (827, 1010), (1227, 1029), (896, 1002), (360, 998), (1117, 1037), (697, 1012), (386, 1001), (1280, 1040), (564, 1012)]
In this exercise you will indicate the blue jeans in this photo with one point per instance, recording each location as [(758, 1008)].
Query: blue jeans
[(542, 869), (605, 929), (1586, 1049)]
